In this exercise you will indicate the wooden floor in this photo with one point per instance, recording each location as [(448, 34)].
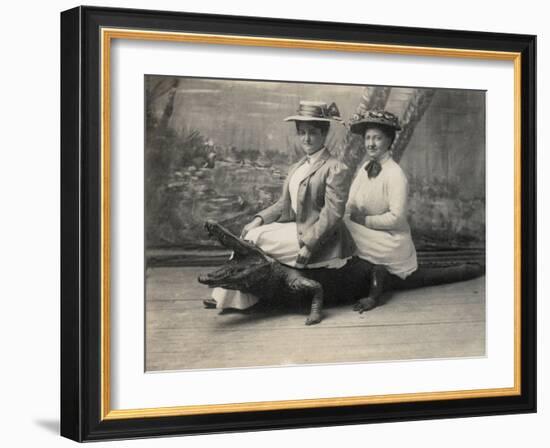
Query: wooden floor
[(435, 322)]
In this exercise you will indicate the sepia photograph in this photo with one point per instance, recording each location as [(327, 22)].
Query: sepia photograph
[(291, 223), (273, 223)]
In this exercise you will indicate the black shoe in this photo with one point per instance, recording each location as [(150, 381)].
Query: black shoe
[(210, 303)]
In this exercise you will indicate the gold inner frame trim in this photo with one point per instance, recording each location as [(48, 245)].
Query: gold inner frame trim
[(107, 35)]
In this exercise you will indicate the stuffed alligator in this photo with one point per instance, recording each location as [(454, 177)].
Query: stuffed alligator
[(251, 270)]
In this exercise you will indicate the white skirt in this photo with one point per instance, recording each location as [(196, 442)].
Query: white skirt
[(280, 241), (393, 249)]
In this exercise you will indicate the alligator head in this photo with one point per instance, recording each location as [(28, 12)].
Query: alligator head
[(247, 269)]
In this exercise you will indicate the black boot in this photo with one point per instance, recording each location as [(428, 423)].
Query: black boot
[(210, 303), (378, 283)]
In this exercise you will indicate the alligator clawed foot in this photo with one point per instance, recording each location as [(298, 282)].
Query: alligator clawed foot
[(314, 318), (365, 304)]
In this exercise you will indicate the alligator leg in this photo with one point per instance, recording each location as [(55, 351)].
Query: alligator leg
[(377, 284), (312, 289)]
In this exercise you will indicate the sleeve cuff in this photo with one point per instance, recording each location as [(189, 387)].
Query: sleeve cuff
[(368, 221), (305, 241)]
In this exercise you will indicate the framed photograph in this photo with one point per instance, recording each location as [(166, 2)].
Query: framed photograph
[(277, 224)]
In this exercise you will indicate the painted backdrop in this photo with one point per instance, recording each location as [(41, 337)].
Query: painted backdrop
[(219, 149)]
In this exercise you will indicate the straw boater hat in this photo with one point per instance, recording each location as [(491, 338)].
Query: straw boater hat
[(316, 111), (360, 121)]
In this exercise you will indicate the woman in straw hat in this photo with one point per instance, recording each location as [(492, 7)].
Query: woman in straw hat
[(376, 212), (304, 228)]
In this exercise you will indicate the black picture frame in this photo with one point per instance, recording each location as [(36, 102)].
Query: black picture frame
[(81, 287)]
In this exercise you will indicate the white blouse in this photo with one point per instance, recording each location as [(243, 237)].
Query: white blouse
[(299, 175), (385, 237), (382, 198)]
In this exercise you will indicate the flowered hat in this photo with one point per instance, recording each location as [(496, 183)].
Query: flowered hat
[(316, 111), (359, 121)]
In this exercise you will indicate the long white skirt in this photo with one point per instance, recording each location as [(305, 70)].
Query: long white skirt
[(393, 249), (280, 241)]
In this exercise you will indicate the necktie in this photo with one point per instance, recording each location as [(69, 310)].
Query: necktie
[(373, 168)]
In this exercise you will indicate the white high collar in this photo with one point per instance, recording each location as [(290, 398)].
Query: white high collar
[(315, 156)]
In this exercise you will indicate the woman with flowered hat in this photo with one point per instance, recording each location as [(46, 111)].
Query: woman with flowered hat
[(304, 228), (376, 212)]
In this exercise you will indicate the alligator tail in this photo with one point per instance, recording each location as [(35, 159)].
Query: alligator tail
[(434, 275)]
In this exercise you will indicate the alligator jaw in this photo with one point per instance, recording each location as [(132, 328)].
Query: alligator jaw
[(237, 274), (248, 265), (215, 278), (230, 241)]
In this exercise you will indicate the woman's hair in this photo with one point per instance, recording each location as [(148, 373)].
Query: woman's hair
[(322, 125), (387, 130)]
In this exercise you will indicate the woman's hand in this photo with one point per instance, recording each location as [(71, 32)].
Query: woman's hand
[(256, 222), (304, 255), (358, 216)]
